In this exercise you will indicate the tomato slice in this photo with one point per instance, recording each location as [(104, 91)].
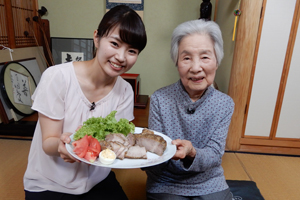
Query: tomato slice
[(81, 146), (87, 147), (94, 146), (93, 150), (90, 156)]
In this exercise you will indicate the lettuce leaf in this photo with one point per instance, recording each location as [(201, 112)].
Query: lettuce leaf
[(99, 127)]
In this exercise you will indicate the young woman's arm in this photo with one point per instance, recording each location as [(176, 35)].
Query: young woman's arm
[(53, 138)]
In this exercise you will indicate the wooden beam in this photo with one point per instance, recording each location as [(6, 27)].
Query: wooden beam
[(292, 143), (269, 150)]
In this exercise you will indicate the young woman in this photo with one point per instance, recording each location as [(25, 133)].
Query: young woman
[(69, 94)]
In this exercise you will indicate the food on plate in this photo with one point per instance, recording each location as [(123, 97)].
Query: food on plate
[(136, 152), (147, 131), (143, 142), (109, 134), (95, 129), (81, 146), (93, 150), (99, 127), (117, 137), (117, 147), (107, 157), (131, 139), (123, 150), (153, 143), (87, 148)]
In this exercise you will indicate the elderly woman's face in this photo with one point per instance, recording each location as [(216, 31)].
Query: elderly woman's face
[(197, 64)]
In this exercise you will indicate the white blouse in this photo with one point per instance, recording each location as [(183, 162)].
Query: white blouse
[(59, 96)]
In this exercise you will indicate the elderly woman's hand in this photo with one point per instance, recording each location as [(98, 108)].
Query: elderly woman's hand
[(185, 149)]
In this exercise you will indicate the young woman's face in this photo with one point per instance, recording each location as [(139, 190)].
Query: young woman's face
[(197, 64), (113, 55)]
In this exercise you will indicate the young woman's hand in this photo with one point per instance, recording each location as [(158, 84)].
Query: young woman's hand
[(185, 149), (64, 154)]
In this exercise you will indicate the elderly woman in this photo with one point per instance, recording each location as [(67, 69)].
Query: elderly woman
[(195, 115)]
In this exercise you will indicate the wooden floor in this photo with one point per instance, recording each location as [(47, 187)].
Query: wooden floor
[(277, 177)]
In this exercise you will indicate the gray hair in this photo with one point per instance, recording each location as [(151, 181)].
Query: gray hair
[(200, 26)]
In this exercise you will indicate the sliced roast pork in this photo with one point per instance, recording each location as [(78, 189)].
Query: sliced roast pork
[(119, 149), (134, 146), (116, 147), (117, 137), (153, 143), (147, 131), (136, 152), (131, 139), (105, 145)]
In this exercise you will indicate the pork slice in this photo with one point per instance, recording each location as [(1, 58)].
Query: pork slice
[(122, 151), (114, 137), (136, 152), (153, 143), (117, 137), (119, 149), (131, 139), (147, 131), (105, 145)]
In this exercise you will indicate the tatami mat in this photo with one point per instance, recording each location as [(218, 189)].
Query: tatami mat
[(277, 177), (13, 162), (233, 168)]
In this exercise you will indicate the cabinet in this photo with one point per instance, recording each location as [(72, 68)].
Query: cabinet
[(267, 114)]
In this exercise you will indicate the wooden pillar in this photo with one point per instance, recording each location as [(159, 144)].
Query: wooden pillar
[(243, 60)]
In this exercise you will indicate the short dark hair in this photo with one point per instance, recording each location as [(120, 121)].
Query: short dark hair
[(131, 26)]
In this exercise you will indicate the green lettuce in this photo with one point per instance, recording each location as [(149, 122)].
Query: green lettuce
[(99, 127)]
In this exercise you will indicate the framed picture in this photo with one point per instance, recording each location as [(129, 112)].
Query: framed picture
[(17, 86), (71, 49), (18, 80), (137, 5)]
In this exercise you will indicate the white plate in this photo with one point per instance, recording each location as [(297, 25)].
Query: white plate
[(152, 159)]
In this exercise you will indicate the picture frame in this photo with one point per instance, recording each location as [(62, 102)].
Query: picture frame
[(17, 85), (137, 5), (10, 110), (71, 49)]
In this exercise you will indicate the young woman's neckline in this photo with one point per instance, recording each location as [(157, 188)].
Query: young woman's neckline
[(83, 94)]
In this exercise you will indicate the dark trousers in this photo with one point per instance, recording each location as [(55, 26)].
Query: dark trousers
[(107, 189)]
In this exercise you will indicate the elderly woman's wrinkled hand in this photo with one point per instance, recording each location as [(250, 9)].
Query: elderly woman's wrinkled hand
[(184, 149), (64, 154)]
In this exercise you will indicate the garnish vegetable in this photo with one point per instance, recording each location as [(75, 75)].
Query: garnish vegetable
[(99, 127)]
